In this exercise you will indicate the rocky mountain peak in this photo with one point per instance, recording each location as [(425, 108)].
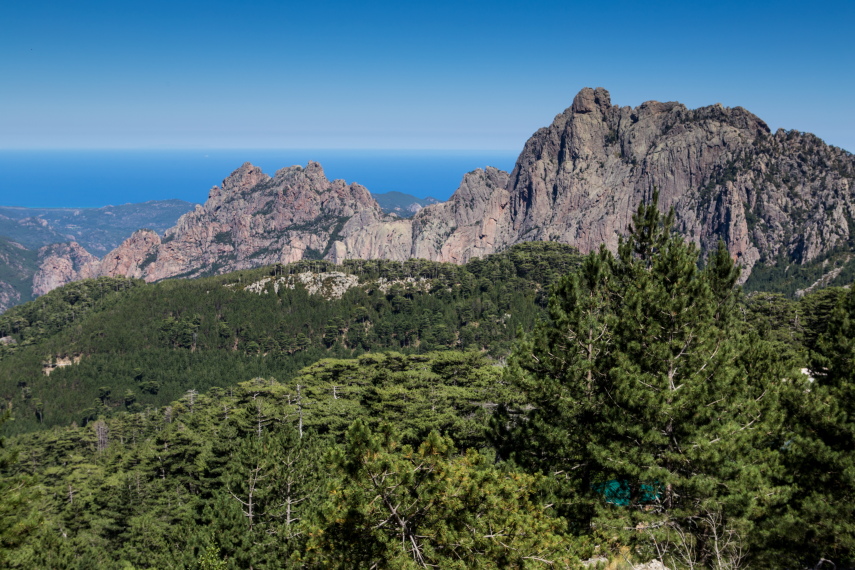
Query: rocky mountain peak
[(314, 167), (577, 181), (251, 220), (244, 178), (591, 100), (238, 182)]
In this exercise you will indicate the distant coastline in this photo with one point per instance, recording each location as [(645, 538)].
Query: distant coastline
[(96, 178)]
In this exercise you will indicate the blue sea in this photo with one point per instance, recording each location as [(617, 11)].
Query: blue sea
[(90, 178)]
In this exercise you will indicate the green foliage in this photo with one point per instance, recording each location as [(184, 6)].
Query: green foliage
[(17, 266), (210, 558), (147, 489), (393, 506), (791, 327), (788, 276), (817, 308), (451, 392), (244, 465), (651, 408), (19, 516), (820, 451), (778, 320), (60, 309), (211, 332)]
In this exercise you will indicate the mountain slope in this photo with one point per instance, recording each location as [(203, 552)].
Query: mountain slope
[(17, 266), (160, 340)]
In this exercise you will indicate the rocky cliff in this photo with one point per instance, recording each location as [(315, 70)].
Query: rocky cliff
[(579, 180), (252, 220), (773, 198), (61, 263)]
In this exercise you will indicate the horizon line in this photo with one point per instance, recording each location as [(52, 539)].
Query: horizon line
[(250, 149)]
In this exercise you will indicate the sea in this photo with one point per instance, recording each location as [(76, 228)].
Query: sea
[(96, 178)]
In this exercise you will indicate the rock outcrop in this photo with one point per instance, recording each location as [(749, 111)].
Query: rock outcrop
[(62, 263), (252, 220), (769, 196), (464, 227), (579, 181), (329, 285)]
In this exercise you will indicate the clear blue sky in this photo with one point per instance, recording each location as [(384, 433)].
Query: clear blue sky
[(458, 74)]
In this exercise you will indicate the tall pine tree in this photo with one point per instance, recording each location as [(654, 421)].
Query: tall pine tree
[(819, 521), (643, 405)]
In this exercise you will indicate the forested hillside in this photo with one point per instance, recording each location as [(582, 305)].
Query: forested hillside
[(389, 415), (103, 346)]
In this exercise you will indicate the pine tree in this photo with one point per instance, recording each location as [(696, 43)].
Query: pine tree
[(819, 521), (19, 517), (553, 435), (393, 506), (644, 410)]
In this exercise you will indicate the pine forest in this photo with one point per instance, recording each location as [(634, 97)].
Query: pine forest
[(535, 408)]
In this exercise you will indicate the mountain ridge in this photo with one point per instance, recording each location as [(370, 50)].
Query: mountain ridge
[(579, 180), (775, 198)]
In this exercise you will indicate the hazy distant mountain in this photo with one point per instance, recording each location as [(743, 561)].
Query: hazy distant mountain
[(403, 205), (99, 230), (17, 266), (60, 240)]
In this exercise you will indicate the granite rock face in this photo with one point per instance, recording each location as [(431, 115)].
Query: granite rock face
[(579, 181), (252, 220), (768, 196), (464, 227), (61, 263)]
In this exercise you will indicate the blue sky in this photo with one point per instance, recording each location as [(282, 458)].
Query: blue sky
[(403, 74)]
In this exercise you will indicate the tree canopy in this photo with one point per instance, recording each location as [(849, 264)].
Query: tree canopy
[(654, 412)]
